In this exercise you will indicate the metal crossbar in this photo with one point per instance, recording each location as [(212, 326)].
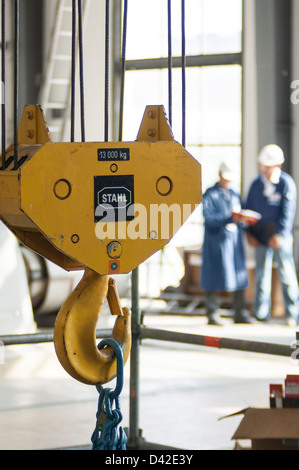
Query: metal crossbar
[(141, 333), (41, 337), (166, 335), (216, 342)]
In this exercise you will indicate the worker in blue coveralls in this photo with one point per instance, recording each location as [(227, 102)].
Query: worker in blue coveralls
[(273, 195), (223, 258)]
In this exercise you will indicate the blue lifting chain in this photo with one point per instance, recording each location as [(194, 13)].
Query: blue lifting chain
[(106, 436)]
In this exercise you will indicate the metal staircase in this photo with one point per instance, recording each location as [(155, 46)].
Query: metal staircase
[(55, 93)]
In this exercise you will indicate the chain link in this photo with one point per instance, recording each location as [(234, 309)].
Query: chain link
[(107, 435)]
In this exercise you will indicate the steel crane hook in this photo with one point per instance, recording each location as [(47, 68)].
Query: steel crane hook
[(75, 330)]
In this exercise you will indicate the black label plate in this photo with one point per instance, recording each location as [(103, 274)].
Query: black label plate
[(114, 198), (113, 154)]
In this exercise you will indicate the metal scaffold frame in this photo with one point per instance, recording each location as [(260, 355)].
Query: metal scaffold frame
[(140, 333)]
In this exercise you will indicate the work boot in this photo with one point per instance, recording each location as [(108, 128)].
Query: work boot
[(243, 317), (212, 307), (214, 319), (241, 314)]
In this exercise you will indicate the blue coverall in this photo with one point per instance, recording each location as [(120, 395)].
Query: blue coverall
[(223, 258), (277, 207)]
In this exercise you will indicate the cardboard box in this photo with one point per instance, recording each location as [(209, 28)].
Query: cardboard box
[(276, 396), (269, 429), (291, 395), (292, 386)]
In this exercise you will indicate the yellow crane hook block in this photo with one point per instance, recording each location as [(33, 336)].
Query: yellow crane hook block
[(103, 206)]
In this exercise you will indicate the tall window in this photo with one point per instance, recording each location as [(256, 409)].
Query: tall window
[(213, 46)]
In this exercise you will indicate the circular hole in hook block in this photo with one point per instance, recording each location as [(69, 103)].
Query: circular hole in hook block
[(153, 234), (62, 189), (75, 238), (30, 133), (113, 168), (164, 186)]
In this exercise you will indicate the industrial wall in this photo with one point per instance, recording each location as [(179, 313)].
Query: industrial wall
[(259, 80)]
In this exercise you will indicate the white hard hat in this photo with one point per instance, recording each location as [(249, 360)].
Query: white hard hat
[(226, 171), (271, 155)]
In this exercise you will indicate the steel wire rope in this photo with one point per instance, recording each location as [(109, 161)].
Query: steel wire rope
[(107, 47), (3, 110), (16, 81), (183, 73), (73, 70), (123, 70), (81, 70), (169, 61)]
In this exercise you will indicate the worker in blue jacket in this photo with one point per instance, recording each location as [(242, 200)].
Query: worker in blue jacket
[(273, 195), (223, 259)]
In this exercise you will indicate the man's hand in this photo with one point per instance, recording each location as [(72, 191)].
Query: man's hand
[(237, 218), (275, 242), (252, 241)]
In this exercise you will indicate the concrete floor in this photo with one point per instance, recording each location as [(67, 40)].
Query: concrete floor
[(184, 389)]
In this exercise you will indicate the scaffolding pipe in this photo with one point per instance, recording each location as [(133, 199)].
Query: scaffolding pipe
[(163, 335), (42, 337), (212, 341)]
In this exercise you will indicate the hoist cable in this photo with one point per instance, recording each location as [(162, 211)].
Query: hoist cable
[(107, 37), (123, 70), (73, 70), (169, 62), (3, 111), (16, 81), (81, 70), (183, 74)]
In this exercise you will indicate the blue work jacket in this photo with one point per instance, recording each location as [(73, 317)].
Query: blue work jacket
[(278, 206), (223, 257)]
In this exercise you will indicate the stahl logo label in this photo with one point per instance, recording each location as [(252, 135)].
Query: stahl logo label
[(113, 196), (118, 197)]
